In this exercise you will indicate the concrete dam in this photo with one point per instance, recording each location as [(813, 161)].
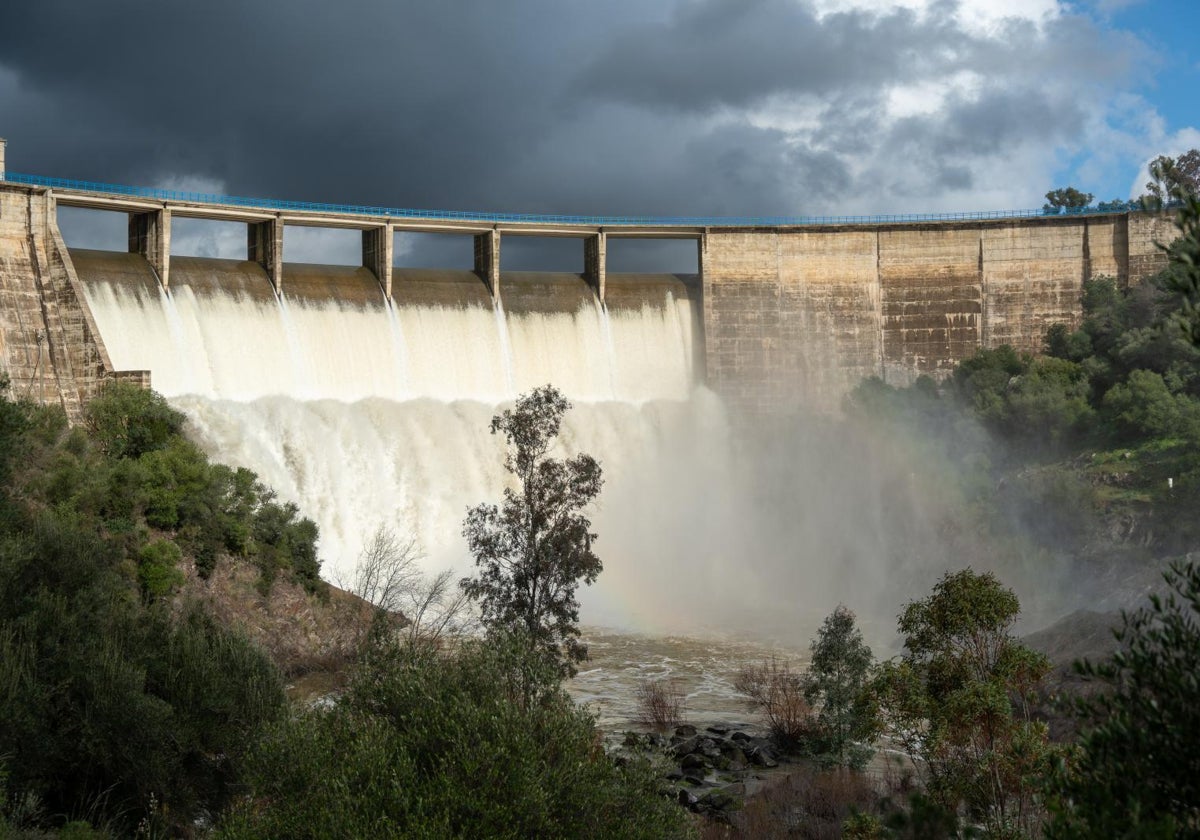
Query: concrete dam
[(363, 393)]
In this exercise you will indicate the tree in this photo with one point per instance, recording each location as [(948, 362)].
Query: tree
[(838, 678), (1173, 178), (1182, 275), (958, 701), (533, 550), (422, 609), (1065, 200), (438, 744), (1137, 770)]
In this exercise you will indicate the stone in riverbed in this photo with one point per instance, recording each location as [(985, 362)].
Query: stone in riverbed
[(693, 761), (760, 756), (686, 798), (685, 747)]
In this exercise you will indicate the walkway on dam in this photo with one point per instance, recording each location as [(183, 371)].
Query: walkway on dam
[(115, 191)]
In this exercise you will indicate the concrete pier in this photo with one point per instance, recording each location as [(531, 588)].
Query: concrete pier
[(487, 260), (595, 257), (264, 245), (150, 236), (377, 248)]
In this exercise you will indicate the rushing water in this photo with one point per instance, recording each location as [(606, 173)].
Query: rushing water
[(368, 414), (702, 669)]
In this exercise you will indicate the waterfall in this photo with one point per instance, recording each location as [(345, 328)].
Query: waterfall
[(367, 413)]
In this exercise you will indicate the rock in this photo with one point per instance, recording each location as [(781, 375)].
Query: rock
[(734, 755), (720, 800), (718, 730), (685, 747), (709, 748), (693, 761), (693, 780), (686, 798), (632, 739), (674, 776), (761, 757), (740, 736), (685, 731)]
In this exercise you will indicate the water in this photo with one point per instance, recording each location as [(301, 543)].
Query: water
[(369, 415), (703, 669)]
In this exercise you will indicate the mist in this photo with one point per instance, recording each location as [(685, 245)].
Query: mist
[(368, 415)]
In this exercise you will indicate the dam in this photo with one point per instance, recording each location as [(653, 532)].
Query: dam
[(363, 393), (784, 314)]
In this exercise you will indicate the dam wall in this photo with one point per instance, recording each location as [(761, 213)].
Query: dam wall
[(796, 317), (50, 347), (781, 317)]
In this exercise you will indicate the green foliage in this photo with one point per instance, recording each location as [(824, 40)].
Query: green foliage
[(1173, 179), (432, 744), (112, 698), (1065, 200), (127, 421), (533, 550), (1182, 277), (1144, 406), (1136, 772), (838, 677), (158, 568), (958, 701)]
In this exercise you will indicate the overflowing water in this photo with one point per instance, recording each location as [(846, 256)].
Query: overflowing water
[(370, 414)]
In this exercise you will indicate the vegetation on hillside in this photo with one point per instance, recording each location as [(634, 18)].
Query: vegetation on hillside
[(126, 708)]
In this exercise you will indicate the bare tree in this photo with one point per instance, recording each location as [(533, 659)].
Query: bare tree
[(406, 601)]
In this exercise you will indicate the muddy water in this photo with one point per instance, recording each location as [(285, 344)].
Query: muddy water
[(704, 669)]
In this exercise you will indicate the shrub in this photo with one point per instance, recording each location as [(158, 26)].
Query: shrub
[(660, 703), (778, 692), (127, 421), (1136, 772), (158, 568), (478, 743)]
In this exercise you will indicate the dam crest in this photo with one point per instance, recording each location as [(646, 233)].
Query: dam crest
[(781, 317)]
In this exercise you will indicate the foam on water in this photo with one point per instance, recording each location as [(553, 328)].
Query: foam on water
[(369, 415)]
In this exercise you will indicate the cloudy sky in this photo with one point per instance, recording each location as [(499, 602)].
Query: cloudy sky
[(691, 107)]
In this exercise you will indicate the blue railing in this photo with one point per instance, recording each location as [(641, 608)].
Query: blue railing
[(401, 212)]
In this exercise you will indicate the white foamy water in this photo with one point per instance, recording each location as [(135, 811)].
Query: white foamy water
[(370, 416), (235, 347)]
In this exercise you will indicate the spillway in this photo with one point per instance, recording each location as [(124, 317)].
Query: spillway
[(367, 414)]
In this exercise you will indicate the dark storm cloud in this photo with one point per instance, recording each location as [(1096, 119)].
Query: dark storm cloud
[(678, 107), (740, 52)]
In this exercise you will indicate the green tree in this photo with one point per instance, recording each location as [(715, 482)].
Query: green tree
[(1065, 200), (957, 699), (838, 677), (533, 550), (127, 421), (1136, 772), (434, 744), (1182, 277), (1172, 179)]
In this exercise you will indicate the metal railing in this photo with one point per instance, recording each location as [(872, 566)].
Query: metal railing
[(541, 218)]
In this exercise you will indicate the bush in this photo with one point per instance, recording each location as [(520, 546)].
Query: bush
[(778, 692), (1143, 406), (660, 703), (127, 421), (158, 568), (480, 743), (1136, 772)]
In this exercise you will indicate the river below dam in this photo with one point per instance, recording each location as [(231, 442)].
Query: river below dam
[(703, 669)]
